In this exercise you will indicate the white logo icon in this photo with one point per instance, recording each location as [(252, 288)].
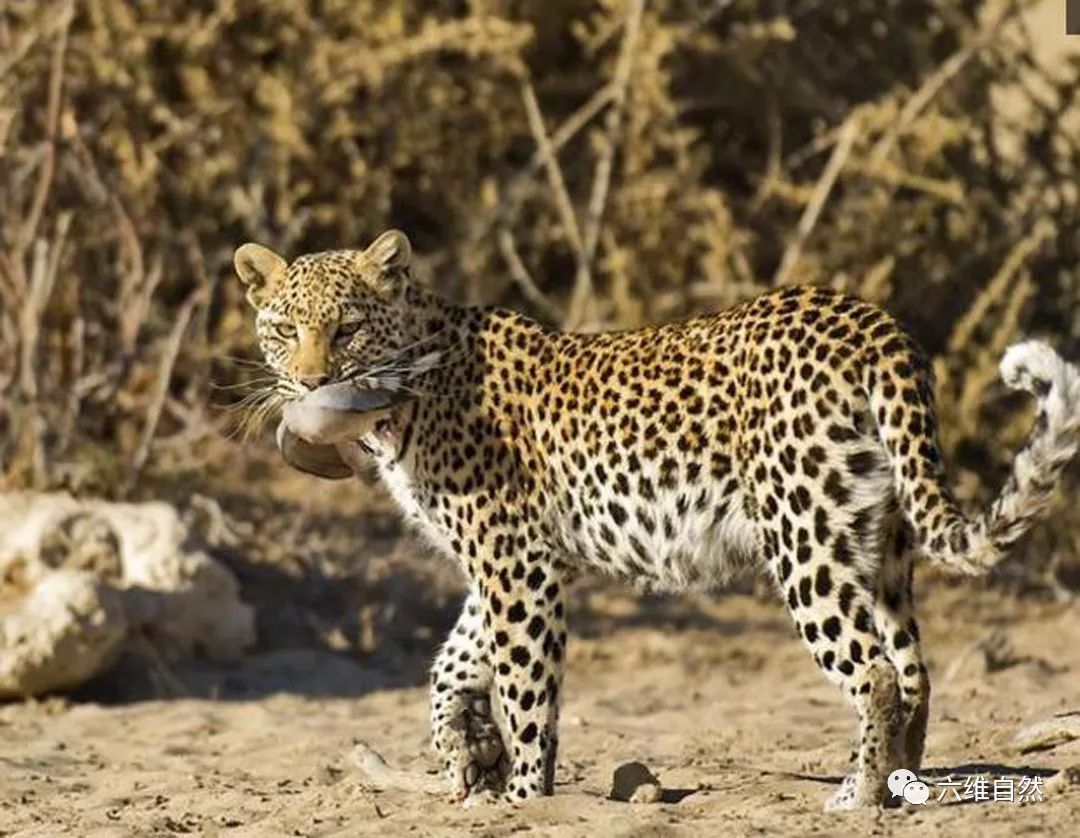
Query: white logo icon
[(916, 793), (904, 783)]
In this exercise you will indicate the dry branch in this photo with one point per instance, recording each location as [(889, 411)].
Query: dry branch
[(773, 165), (514, 192), (556, 179), (161, 385), (54, 19), (583, 289), (915, 105), (936, 82), (813, 209), (44, 268), (523, 278), (997, 288), (384, 776), (75, 341), (573, 124), (25, 236), (1048, 734)]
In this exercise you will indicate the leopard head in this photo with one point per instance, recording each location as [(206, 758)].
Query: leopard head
[(327, 316)]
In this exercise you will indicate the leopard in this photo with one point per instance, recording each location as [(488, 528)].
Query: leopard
[(793, 433)]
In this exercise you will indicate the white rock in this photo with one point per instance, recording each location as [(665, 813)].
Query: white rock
[(66, 629), (83, 573)]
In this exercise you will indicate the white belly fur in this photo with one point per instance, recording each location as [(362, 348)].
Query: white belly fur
[(697, 552)]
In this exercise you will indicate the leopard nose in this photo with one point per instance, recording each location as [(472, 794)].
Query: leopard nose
[(314, 381)]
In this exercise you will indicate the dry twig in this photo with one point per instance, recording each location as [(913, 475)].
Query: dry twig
[(556, 180), (812, 212), (509, 250), (936, 82), (24, 237), (583, 288), (515, 191), (161, 386), (384, 776)]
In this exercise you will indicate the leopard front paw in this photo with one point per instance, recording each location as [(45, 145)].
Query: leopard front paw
[(475, 760)]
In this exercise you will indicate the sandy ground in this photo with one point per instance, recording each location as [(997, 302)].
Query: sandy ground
[(717, 696)]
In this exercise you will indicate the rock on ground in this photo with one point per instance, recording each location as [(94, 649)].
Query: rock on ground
[(77, 577)]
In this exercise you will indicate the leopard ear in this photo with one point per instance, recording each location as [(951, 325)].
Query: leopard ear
[(260, 269), (391, 251), (389, 255)]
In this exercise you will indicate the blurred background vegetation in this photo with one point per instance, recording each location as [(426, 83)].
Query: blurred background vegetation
[(596, 164)]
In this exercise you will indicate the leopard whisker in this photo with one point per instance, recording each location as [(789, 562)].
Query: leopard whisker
[(240, 385)]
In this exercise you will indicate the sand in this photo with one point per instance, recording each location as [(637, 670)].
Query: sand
[(716, 696)]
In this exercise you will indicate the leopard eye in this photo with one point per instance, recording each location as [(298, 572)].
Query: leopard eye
[(286, 331), (346, 331)]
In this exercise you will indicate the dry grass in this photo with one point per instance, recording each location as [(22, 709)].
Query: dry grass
[(601, 165)]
